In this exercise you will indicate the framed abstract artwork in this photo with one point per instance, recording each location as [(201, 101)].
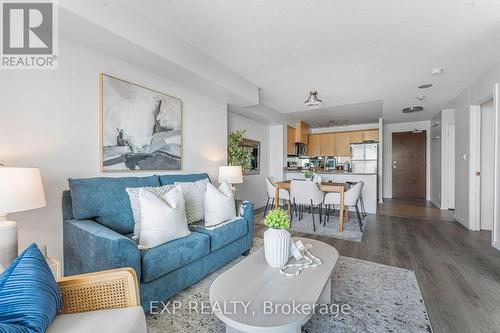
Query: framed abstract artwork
[(141, 129)]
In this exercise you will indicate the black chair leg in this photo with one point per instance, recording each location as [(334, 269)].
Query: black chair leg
[(265, 209), (359, 218), (311, 208), (320, 208), (327, 212), (362, 202)]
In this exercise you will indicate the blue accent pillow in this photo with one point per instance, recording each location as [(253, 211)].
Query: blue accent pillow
[(29, 296)]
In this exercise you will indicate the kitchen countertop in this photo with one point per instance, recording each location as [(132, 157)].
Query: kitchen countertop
[(333, 172)]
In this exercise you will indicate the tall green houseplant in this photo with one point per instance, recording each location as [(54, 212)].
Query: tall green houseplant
[(237, 153)]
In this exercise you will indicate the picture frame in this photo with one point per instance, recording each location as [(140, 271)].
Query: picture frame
[(140, 128), (255, 150)]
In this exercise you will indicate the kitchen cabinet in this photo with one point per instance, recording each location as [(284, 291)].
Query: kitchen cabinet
[(302, 132), (328, 147), (356, 136), (290, 140), (370, 135), (314, 145), (342, 143)]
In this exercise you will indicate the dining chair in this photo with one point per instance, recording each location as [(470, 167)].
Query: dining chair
[(306, 194), (361, 200), (271, 194), (351, 199)]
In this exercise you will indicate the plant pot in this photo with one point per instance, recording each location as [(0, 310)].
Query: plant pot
[(277, 247)]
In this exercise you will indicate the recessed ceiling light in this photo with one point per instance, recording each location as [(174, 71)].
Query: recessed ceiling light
[(437, 71), (425, 86), (420, 97), (413, 109)]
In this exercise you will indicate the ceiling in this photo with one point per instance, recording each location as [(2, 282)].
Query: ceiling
[(351, 51)]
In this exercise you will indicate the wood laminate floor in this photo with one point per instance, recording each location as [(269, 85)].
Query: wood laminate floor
[(458, 270)]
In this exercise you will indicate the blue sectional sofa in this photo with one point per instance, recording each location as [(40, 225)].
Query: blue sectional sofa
[(98, 226)]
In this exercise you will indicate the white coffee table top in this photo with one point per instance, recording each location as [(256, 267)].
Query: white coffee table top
[(252, 280)]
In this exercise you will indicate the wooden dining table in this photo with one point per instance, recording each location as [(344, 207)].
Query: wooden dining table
[(328, 187)]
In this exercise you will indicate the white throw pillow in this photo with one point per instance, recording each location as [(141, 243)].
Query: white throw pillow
[(162, 218), (219, 204), (135, 204), (194, 196)]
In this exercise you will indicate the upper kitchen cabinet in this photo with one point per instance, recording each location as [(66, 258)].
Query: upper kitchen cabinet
[(302, 132), (290, 140), (342, 143), (370, 135), (314, 145), (356, 136), (328, 147)]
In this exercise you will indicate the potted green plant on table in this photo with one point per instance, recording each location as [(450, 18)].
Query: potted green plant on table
[(277, 239), (309, 175)]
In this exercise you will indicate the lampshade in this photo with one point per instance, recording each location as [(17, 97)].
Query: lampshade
[(231, 174), (20, 189)]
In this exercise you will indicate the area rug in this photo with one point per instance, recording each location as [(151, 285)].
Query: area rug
[(381, 299)]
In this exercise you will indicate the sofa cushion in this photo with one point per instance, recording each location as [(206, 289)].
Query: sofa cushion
[(167, 257), (124, 320), (106, 200), (29, 295), (224, 233), (172, 179)]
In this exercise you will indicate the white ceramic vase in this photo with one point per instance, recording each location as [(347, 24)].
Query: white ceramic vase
[(277, 247)]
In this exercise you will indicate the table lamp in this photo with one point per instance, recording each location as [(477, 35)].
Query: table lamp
[(20, 189), (231, 174)]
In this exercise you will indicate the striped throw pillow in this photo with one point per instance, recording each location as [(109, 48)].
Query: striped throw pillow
[(162, 218), (194, 195), (135, 204), (29, 296)]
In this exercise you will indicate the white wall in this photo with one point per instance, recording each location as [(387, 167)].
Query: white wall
[(387, 163), (254, 187), (441, 166), (487, 164), (277, 150), (480, 91), (50, 119), (447, 159), (436, 156)]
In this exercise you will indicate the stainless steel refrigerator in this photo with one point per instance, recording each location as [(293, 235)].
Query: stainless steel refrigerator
[(364, 157)]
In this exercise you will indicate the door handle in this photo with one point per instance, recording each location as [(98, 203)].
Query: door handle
[(394, 167), (478, 173)]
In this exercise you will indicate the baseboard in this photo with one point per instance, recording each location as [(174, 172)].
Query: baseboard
[(496, 245), (459, 219), (436, 204)]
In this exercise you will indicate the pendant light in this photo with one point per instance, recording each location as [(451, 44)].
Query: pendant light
[(313, 101)]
